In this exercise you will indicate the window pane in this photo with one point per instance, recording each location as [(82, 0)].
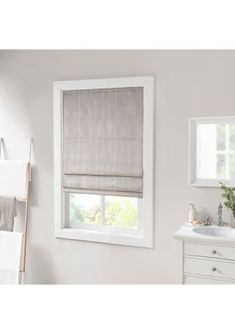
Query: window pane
[(206, 151), (121, 211), (221, 166), (232, 136), (84, 208), (220, 137), (232, 165)]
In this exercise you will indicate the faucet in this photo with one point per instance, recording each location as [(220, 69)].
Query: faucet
[(207, 221), (220, 215)]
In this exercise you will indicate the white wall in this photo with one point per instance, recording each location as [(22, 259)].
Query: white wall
[(189, 83)]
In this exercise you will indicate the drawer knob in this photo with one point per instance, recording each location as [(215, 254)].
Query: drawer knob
[(213, 268), (213, 251)]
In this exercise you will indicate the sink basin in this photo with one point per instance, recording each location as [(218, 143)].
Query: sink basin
[(214, 231)]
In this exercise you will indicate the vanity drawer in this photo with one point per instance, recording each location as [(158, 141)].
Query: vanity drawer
[(219, 252), (204, 280), (214, 268)]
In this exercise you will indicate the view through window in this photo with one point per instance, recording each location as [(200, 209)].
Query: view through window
[(102, 210)]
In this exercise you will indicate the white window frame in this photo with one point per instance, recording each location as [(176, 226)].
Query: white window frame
[(193, 180), (143, 237)]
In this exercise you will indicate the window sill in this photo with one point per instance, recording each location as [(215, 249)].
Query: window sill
[(125, 239)]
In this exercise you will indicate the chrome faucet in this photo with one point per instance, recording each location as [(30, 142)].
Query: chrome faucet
[(207, 221), (220, 215)]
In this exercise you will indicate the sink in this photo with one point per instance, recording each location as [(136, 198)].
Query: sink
[(212, 234), (214, 231)]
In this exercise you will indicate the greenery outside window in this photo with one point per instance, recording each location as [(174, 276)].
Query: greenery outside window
[(100, 210)]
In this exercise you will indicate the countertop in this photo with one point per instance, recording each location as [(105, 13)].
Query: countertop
[(187, 233)]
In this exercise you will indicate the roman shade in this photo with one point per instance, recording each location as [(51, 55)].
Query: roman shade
[(103, 141)]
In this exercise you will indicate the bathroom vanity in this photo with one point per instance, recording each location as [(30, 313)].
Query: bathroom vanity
[(207, 254)]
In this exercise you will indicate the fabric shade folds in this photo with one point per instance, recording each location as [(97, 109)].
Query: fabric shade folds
[(103, 141)]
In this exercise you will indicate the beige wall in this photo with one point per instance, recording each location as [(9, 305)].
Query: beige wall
[(189, 83)]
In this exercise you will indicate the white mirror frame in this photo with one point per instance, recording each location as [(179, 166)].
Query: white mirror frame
[(193, 180)]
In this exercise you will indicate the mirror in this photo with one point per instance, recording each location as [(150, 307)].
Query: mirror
[(212, 151)]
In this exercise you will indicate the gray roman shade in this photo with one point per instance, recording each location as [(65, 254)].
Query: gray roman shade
[(103, 141)]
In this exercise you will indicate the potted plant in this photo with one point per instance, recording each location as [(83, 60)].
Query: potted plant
[(228, 194)]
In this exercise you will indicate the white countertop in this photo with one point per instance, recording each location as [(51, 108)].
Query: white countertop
[(187, 233)]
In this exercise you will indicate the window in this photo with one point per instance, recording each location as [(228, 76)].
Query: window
[(102, 210), (103, 158)]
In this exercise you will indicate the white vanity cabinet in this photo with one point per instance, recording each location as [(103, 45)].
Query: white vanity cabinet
[(206, 259), (207, 264)]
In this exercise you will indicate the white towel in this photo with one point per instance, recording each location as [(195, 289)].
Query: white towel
[(7, 213), (13, 178), (10, 255)]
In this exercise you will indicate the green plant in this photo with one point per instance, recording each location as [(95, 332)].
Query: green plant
[(229, 196)]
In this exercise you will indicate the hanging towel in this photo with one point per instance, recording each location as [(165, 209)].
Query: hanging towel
[(13, 178), (7, 213), (10, 255)]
